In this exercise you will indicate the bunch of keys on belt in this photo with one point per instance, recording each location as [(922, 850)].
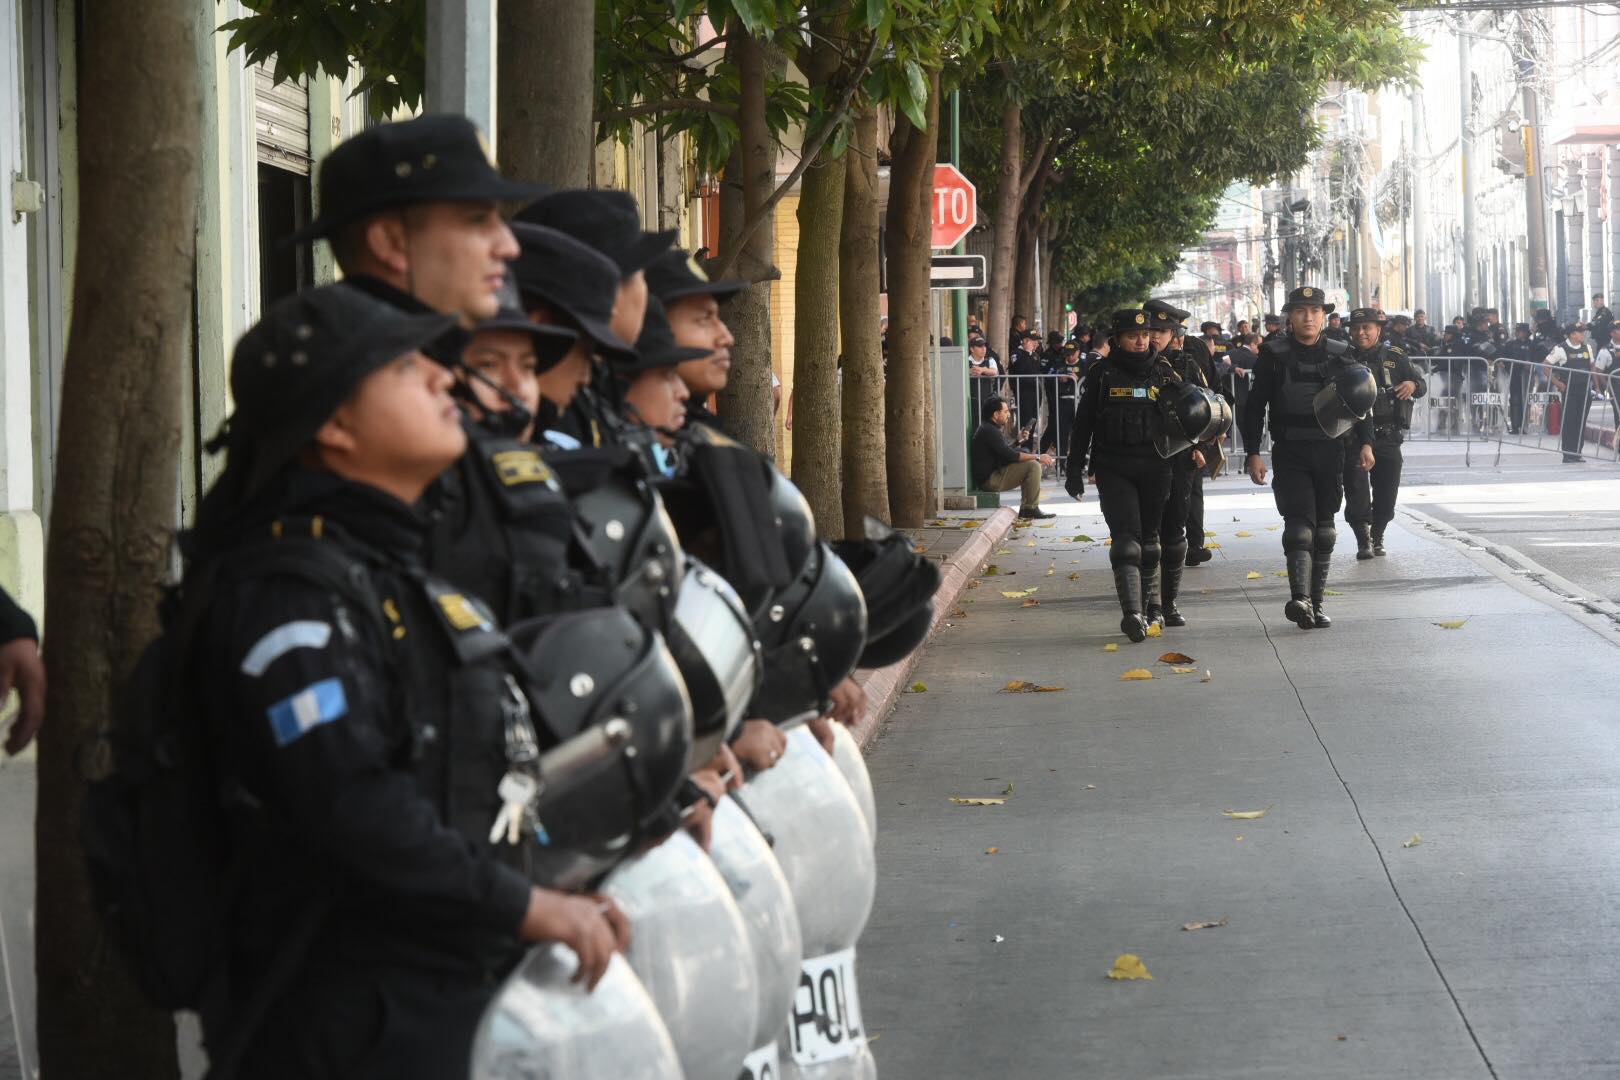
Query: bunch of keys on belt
[(517, 792)]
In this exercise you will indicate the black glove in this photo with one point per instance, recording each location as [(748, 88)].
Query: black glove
[(1075, 484)]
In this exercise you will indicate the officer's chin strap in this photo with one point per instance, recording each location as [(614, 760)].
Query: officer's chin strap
[(510, 423)]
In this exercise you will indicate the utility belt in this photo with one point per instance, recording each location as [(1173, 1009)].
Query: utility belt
[(1297, 427)]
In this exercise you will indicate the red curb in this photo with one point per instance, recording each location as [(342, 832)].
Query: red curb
[(883, 686)]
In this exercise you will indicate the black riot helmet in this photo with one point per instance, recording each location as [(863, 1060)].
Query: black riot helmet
[(1347, 397), (795, 521), (715, 648), (587, 669), (898, 585), (812, 632), (624, 529), (1190, 415)]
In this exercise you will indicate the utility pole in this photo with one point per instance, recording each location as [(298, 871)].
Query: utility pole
[(1470, 295), (461, 60), (1535, 196)]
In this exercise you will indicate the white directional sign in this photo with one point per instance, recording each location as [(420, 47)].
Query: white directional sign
[(957, 272)]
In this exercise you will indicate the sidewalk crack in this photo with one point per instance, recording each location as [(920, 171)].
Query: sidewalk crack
[(1362, 821)]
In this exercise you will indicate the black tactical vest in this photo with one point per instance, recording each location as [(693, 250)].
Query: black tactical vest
[(1293, 414), (1129, 406), (1389, 415)]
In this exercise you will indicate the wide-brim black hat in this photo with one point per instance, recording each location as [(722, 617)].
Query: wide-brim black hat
[(1164, 315), (291, 370), (607, 220), (1367, 314), (1308, 296), (569, 275), (656, 347), (1128, 319), (676, 275), (551, 342), (440, 157)]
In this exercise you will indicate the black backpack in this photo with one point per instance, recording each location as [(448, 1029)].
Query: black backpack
[(155, 827)]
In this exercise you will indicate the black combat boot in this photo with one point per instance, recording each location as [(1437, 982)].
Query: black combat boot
[(1378, 540), (1128, 586), (1170, 583), (1150, 585), (1298, 611), (1363, 540), (1319, 576)]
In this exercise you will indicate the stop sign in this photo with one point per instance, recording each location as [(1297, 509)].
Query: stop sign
[(956, 206)]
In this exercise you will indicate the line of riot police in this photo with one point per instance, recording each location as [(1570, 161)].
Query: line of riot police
[(494, 736)]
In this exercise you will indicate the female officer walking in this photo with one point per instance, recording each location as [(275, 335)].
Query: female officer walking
[(1114, 427)]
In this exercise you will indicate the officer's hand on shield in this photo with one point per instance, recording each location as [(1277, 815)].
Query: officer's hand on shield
[(1405, 390), (848, 703), (1256, 466), (759, 745), (699, 822), (822, 729), (592, 926), (1367, 460), (725, 765)]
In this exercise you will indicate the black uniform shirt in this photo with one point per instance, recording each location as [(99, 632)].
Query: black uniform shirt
[(1265, 395), (318, 723)]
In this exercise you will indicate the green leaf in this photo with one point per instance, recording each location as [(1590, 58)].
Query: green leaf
[(876, 12), (915, 100)]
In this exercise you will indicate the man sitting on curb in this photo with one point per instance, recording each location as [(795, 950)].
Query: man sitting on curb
[(997, 466)]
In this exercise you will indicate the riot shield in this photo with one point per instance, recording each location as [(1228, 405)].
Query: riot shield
[(852, 763), (542, 1026), (690, 948)]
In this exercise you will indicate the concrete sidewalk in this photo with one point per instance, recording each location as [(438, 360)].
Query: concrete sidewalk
[(1490, 948)]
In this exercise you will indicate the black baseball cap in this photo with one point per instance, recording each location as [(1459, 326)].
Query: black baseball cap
[(1366, 314), (676, 274), (1206, 327), (1272, 317), (297, 364), (607, 220), (656, 347), (440, 157), (571, 276)]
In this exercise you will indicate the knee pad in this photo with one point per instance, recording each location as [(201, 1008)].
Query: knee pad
[(1150, 551), (1176, 552), (1125, 553), (1326, 536), (1298, 535)]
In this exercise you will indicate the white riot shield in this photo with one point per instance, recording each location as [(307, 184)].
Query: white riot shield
[(689, 946), (744, 859), (852, 763), (826, 854), (541, 1026)]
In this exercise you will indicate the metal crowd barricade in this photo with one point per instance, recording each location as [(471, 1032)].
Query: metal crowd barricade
[(1042, 408), (1525, 404)]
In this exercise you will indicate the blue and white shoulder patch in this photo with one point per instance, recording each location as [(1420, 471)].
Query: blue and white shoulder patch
[(301, 634), (562, 440), (316, 704)]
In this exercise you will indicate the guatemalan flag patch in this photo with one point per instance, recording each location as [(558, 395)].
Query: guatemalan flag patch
[(314, 705)]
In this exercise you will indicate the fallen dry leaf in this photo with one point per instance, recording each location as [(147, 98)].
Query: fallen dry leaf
[(1048, 525), (1031, 543), (1254, 575), (1215, 925), (974, 584), (992, 570), (1091, 787), (1413, 842), (1175, 658), (1452, 624), (1155, 630), (1280, 573), (1074, 575), (1014, 594), (959, 613), (1129, 966), (1020, 686), (1030, 603), (1136, 674), (1246, 815), (1082, 538), (1212, 547), (1331, 592), (1243, 534), (919, 548), (1207, 677), (1272, 528), (971, 524), (1210, 534), (992, 851), (1050, 571), (1111, 647), (1003, 551), (1008, 789), (964, 800), (917, 688), (1183, 671)]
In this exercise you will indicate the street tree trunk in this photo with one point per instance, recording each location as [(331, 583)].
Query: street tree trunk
[(1004, 238), (545, 90), (1027, 285), (117, 496), (816, 453), (865, 481), (745, 404), (911, 184)]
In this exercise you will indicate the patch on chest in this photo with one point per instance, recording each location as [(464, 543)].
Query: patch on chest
[(520, 467)]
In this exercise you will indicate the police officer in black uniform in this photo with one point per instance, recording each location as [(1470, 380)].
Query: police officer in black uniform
[(362, 711), (1309, 461), (1478, 343), (1572, 365), (1186, 470), (1114, 430), (1369, 512), (1525, 354)]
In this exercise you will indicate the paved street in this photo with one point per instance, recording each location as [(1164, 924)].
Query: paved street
[(1487, 948)]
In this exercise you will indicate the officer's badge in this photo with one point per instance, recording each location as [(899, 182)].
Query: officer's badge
[(1307, 293), (1121, 391), (460, 613), (516, 467), (1140, 318), (1153, 393), (1389, 364)]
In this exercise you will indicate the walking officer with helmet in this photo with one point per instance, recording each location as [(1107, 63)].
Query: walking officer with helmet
[(1188, 457), (1370, 508), (1115, 428), (1314, 393)]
